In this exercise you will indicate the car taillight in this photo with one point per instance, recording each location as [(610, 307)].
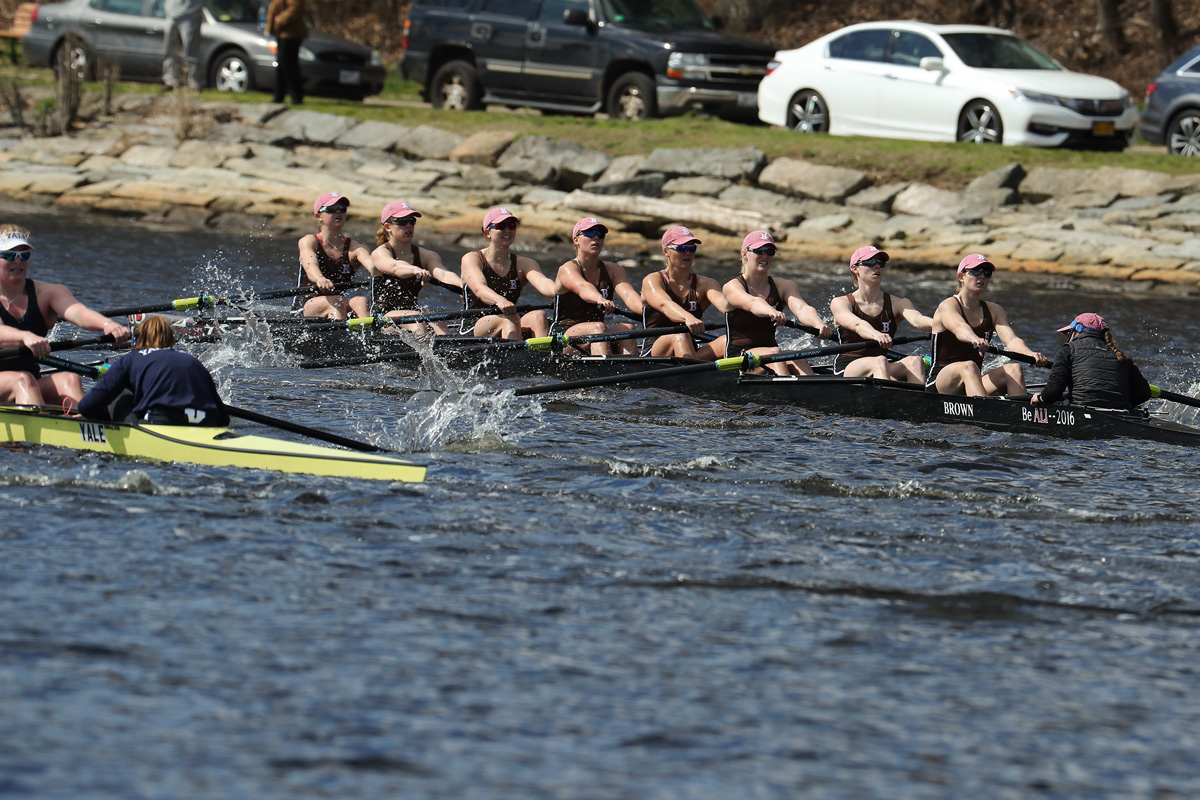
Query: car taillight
[(404, 38), (772, 66), (34, 15), (1150, 90)]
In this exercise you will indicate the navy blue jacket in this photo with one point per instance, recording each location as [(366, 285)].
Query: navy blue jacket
[(1095, 376), (162, 380)]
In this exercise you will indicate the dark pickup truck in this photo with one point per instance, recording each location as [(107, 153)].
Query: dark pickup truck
[(631, 58)]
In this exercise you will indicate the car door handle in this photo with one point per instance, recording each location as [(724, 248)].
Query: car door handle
[(535, 36), (891, 75)]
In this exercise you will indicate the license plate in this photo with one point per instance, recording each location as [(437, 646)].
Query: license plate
[(747, 99), (1104, 128), (354, 77)]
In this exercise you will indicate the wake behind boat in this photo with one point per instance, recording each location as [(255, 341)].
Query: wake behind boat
[(211, 446)]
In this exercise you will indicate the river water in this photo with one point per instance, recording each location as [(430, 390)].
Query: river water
[(619, 593)]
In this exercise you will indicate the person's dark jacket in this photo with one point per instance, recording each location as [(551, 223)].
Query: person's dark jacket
[(1095, 375), (162, 380)]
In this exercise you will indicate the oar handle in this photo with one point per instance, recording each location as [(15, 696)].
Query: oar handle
[(66, 344), (93, 371), (1024, 359), (449, 287), (1174, 397), (818, 352)]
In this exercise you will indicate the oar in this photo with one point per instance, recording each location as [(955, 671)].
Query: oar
[(1024, 359), (1174, 397), (383, 319), (733, 364), (95, 372), (536, 343), (208, 301), (66, 344)]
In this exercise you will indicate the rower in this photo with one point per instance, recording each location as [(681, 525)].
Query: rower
[(757, 303), (399, 269), (586, 287), (494, 276), (160, 385), (678, 296), (330, 257), (963, 325), (869, 314), (1095, 371), (28, 310)]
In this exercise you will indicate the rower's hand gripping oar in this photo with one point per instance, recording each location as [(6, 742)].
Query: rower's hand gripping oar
[(734, 364), (208, 301), (1024, 359), (66, 344), (96, 371)]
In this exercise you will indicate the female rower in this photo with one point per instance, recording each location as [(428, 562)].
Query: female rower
[(330, 257), (28, 310), (494, 276), (586, 287), (162, 385), (869, 314), (962, 331), (1090, 365), (678, 296), (399, 269), (757, 303)]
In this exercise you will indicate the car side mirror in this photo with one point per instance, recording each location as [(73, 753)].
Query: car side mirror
[(933, 64), (575, 16)]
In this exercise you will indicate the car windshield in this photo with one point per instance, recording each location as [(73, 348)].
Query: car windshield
[(997, 51), (674, 15), (233, 10)]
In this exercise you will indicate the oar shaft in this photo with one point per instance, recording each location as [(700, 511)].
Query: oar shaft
[(304, 430), (1024, 359), (1174, 397), (66, 344), (208, 301)]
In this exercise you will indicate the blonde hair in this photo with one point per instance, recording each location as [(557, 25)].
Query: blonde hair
[(15, 229), (154, 331)]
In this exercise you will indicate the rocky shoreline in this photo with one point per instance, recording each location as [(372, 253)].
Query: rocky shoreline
[(248, 167)]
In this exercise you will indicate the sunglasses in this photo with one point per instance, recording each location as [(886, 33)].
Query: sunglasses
[(765, 251), (335, 209), (407, 222), (592, 234), (15, 255), (682, 248), (980, 272), (873, 263), (505, 225)]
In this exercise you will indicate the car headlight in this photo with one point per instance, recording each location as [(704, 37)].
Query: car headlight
[(687, 66), (376, 59), (1129, 103), (1035, 97), (306, 54)]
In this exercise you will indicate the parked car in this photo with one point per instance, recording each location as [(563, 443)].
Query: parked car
[(235, 55), (969, 83), (1171, 115), (632, 59)]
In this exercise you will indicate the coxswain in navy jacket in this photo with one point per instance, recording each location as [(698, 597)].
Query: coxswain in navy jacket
[(168, 387)]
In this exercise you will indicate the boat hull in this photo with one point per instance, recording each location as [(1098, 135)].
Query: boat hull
[(218, 447)]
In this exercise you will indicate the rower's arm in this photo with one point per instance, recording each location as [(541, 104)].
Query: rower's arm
[(737, 297), (472, 278), (537, 279), (65, 306), (911, 315), (801, 310), (954, 322), (655, 296), (308, 263), (572, 281), (845, 318), (382, 262), (624, 289), (711, 291)]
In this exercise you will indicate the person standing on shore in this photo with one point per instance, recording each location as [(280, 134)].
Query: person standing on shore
[(181, 43), (285, 21), (28, 310)]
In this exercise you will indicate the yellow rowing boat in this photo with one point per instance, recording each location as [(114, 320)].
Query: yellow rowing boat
[(217, 447)]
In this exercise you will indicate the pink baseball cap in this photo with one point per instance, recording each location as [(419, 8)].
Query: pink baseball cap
[(972, 261), (756, 239), (588, 224), (1086, 322), (866, 253), (398, 208), (679, 235), (497, 215), (329, 199)]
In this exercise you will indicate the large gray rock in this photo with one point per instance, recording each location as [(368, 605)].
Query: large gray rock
[(429, 142), (805, 179), (623, 168), (648, 185), (921, 199), (785, 210), (979, 204), (877, 198), (484, 147), (530, 171), (699, 185), (1042, 183), (734, 164), (314, 127), (1128, 182), (573, 164), (373, 135), (1007, 177)]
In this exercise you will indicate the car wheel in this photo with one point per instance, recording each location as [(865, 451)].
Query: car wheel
[(980, 122), (1183, 134), (231, 73), (75, 56), (808, 113), (455, 87), (632, 97)]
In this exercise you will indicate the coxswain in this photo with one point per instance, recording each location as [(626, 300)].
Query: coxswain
[(586, 289), (28, 310), (494, 277), (1092, 367), (758, 304), (963, 325), (871, 315), (678, 296), (328, 258), (399, 269)]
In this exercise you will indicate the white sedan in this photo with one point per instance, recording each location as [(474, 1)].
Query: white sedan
[(913, 80)]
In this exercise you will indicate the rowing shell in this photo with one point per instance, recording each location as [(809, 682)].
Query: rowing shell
[(217, 447)]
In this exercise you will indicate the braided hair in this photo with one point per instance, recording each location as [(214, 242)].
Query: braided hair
[(1112, 345)]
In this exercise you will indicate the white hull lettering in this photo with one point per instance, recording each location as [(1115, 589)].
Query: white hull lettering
[(952, 409), (1048, 416), (92, 432)]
